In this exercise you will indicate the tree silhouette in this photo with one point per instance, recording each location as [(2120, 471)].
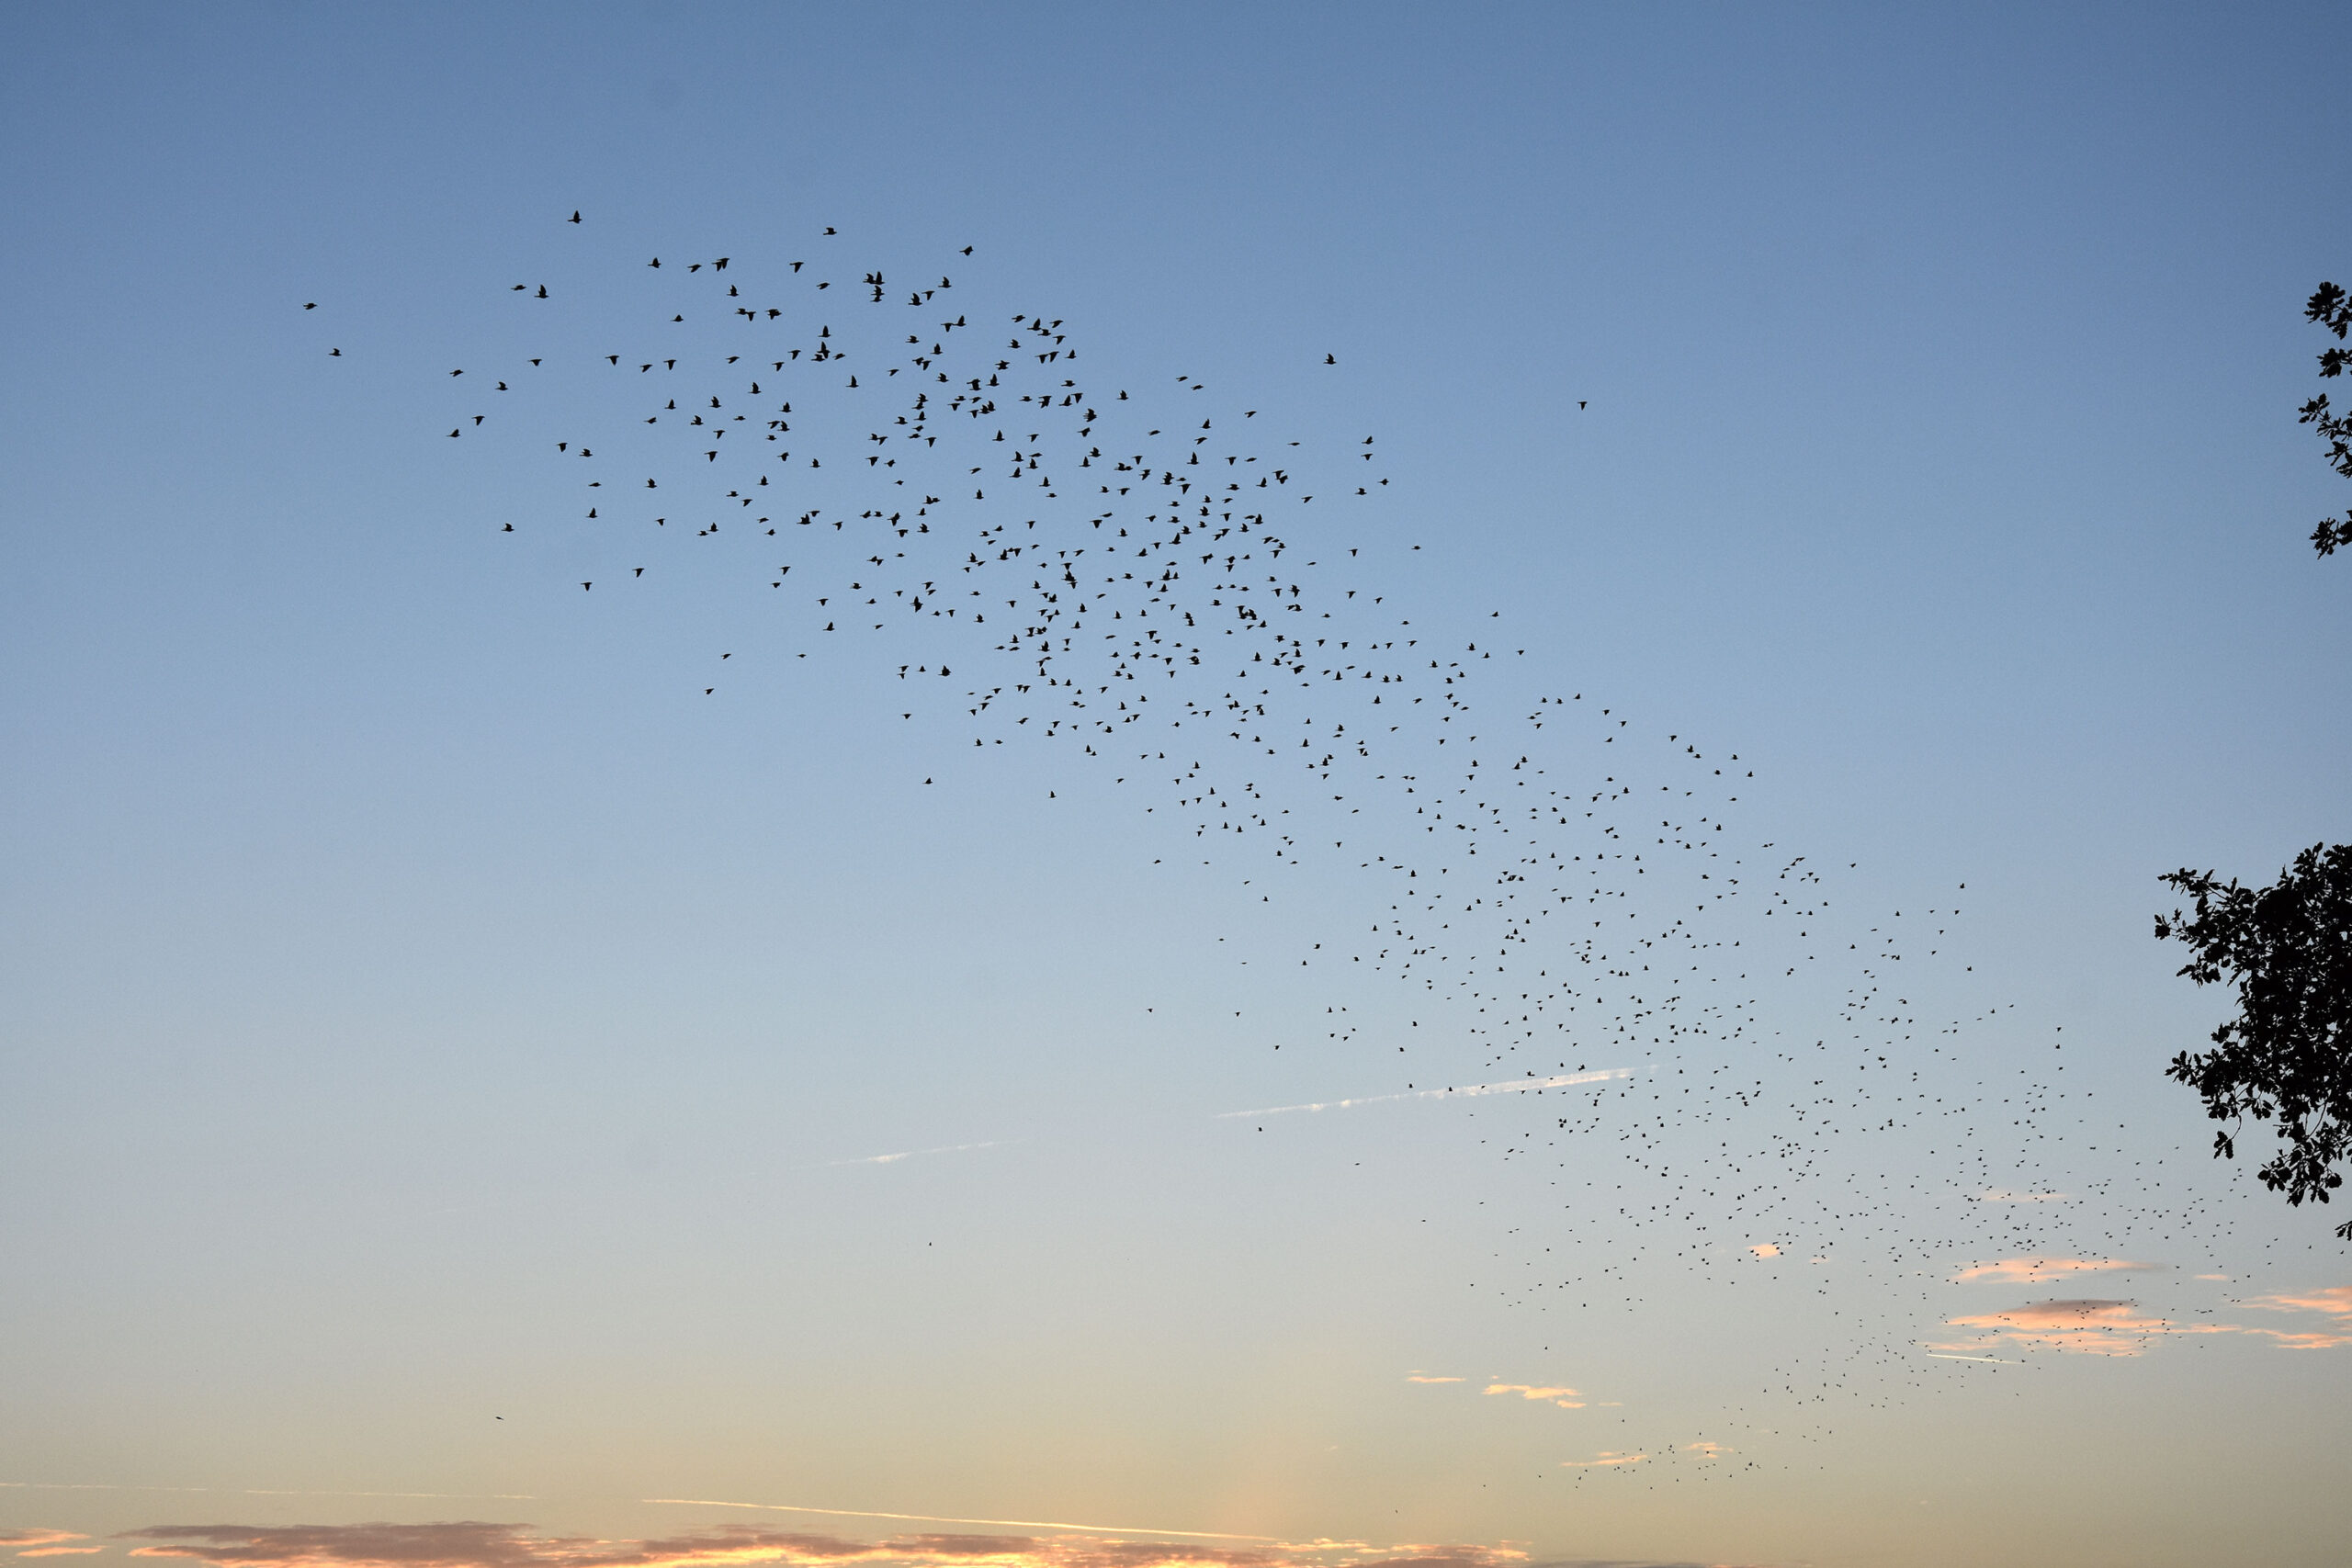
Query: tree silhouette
[(2332, 309), (2288, 948)]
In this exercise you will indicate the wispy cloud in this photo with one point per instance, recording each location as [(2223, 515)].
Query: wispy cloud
[(2033, 1270), (1425, 1377), (2086, 1326), (2306, 1341), (477, 1545), (1519, 1086), (958, 1519), (2003, 1195), (45, 1543), (2104, 1327), (1565, 1398), (2335, 1301), (1605, 1460)]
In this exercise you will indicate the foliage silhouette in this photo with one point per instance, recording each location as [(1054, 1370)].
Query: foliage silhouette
[(2288, 948), (2330, 307)]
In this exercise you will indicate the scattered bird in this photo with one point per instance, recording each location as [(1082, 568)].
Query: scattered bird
[(1548, 887)]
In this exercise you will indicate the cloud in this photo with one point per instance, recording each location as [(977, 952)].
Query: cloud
[(2003, 1195), (1603, 1460), (1704, 1449), (2033, 1270), (1518, 1086), (2084, 1325), (1424, 1377), (955, 1520), (2107, 1327), (1765, 1249), (2302, 1341), (2335, 1301), (474, 1545), (44, 1543), (1565, 1398)]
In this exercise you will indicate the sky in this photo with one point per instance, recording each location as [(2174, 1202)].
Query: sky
[(498, 1073)]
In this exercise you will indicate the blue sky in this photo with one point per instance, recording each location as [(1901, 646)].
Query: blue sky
[(432, 1024)]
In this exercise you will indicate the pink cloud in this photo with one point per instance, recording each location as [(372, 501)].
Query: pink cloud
[(2086, 1326), (2117, 1328), (473, 1544), (2302, 1341), (37, 1538), (2033, 1270), (2335, 1301)]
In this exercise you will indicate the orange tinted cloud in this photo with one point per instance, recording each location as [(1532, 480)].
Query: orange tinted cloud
[(471, 1544), (44, 1543), (1603, 1460), (1425, 1377), (2313, 1341), (1565, 1398), (2333, 1299), (2119, 1328), (2033, 1270), (2088, 1325)]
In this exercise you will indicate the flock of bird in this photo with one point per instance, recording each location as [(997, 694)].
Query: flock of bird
[(1156, 580)]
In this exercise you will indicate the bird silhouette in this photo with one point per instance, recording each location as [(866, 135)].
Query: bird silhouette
[(1542, 891)]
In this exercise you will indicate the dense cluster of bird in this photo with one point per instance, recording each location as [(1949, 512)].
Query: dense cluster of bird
[(1153, 578)]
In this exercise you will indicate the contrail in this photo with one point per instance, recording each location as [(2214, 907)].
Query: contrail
[(1518, 1087), (911, 1154), (952, 1519)]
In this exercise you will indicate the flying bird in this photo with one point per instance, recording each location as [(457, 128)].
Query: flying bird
[(1558, 879)]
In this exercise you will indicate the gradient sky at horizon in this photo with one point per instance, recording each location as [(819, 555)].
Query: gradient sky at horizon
[(446, 1059)]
